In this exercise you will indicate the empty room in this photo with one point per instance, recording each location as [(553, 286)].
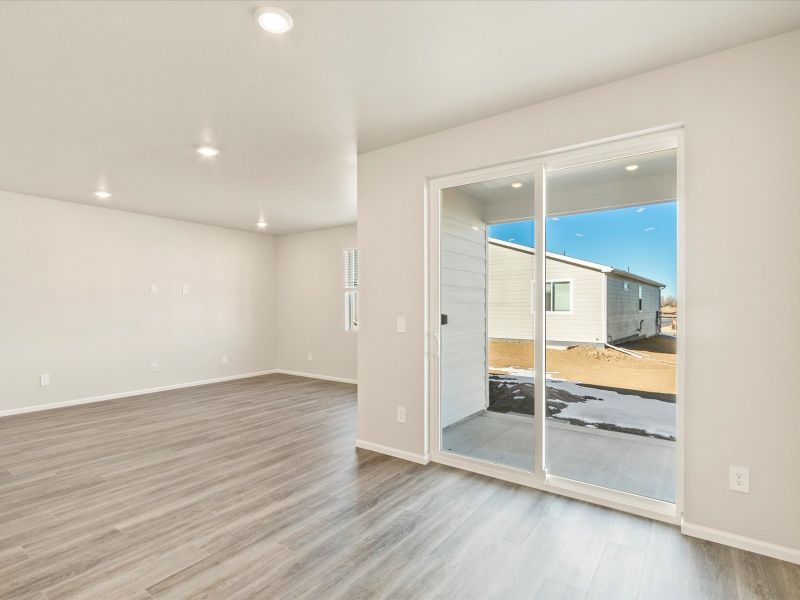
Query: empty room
[(469, 300)]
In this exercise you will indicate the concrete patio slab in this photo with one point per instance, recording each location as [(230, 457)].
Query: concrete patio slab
[(629, 463)]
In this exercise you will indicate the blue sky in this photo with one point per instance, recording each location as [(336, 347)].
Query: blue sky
[(642, 238)]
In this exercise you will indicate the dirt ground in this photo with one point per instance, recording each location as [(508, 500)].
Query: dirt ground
[(597, 366)]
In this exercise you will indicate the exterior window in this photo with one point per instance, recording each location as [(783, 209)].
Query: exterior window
[(351, 290), (640, 298), (558, 296)]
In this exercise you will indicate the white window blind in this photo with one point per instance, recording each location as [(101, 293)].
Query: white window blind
[(351, 269), (351, 289)]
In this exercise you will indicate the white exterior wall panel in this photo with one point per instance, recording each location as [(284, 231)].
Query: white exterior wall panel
[(463, 280), (511, 273), (625, 320)]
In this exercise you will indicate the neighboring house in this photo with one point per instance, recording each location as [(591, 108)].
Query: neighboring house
[(587, 303)]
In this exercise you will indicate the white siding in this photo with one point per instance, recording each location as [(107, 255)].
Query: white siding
[(511, 273), (624, 317), (463, 356), (584, 323), (510, 316)]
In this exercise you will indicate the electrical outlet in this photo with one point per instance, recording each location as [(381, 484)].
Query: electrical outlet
[(224, 359), (44, 379), (401, 324), (310, 357), (153, 288), (154, 367), (739, 479), (185, 289), (401, 414)]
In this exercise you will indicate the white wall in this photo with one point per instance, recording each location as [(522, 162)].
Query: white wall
[(584, 323), (75, 301), (310, 304), (742, 213), (511, 276), (464, 386)]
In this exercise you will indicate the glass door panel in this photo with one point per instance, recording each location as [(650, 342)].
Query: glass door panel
[(612, 323), (487, 334)]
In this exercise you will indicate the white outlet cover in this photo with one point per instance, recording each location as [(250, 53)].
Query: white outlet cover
[(224, 359), (401, 414), (739, 479), (185, 289), (44, 379), (153, 288), (154, 367), (310, 357), (401, 324)]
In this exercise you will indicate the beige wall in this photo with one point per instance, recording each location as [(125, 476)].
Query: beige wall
[(742, 213), (76, 301), (310, 304)]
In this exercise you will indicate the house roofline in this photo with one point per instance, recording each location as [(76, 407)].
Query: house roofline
[(629, 275), (578, 262)]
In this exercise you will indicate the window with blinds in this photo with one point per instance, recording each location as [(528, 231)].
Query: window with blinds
[(351, 269), (351, 289)]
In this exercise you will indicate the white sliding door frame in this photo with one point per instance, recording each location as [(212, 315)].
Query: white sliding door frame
[(526, 167), (655, 140)]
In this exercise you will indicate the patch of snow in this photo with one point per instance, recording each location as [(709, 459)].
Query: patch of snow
[(625, 410), (517, 372)]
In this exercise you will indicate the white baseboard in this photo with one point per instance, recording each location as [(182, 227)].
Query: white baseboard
[(315, 376), (422, 459), (791, 555), (128, 394)]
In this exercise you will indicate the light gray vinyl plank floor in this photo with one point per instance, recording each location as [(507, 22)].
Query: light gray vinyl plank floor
[(252, 489)]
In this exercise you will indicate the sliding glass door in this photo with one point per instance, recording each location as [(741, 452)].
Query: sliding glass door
[(611, 323), (556, 320)]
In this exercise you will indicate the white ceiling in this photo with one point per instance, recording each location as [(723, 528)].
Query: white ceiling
[(117, 93)]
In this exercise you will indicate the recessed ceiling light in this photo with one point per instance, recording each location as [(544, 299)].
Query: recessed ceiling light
[(207, 151), (103, 194), (631, 167), (274, 20), (516, 184), (262, 224)]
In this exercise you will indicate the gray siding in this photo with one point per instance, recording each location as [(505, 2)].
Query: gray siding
[(511, 273), (625, 320), (463, 280)]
